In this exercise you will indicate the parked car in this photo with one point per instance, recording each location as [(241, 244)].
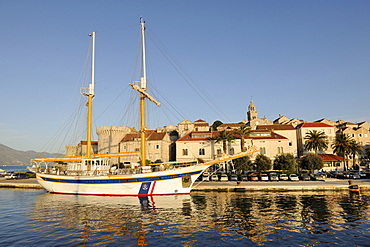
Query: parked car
[(253, 177), (354, 175), (10, 176), (305, 177), (283, 177), (244, 178), (214, 177), (224, 178), (264, 177), (360, 173), (233, 177), (21, 176), (333, 174), (318, 177), (205, 176), (273, 177), (293, 177)]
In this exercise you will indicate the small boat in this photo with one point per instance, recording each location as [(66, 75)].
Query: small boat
[(94, 174), (354, 188)]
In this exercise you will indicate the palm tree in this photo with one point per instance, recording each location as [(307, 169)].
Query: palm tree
[(316, 141), (355, 150), (342, 146), (244, 131), (224, 137)]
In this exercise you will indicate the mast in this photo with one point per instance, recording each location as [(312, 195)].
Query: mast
[(89, 92), (143, 94)]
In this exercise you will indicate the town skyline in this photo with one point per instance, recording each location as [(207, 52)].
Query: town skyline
[(306, 60)]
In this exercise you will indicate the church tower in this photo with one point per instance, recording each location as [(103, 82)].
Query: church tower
[(252, 111)]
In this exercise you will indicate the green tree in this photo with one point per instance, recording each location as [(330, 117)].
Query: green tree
[(312, 162), (342, 147), (216, 124), (285, 162), (243, 164), (262, 163), (355, 149), (316, 141), (244, 131), (224, 137)]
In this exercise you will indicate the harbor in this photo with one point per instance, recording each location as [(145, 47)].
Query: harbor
[(329, 184)]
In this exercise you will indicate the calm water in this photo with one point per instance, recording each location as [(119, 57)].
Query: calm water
[(36, 218)]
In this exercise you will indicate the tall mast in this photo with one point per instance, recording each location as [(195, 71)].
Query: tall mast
[(143, 94), (89, 92)]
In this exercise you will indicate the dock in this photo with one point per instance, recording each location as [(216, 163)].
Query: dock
[(330, 184)]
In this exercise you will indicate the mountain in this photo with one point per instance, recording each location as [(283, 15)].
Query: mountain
[(10, 156)]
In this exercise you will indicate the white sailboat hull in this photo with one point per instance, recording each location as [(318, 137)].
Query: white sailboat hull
[(169, 182)]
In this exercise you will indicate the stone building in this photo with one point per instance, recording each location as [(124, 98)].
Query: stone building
[(286, 130), (305, 128), (252, 117)]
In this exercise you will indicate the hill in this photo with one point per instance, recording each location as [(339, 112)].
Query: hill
[(10, 156)]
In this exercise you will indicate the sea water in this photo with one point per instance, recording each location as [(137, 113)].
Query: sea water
[(37, 218)]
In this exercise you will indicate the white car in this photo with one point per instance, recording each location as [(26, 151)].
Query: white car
[(264, 177), (283, 177), (224, 178), (293, 177), (10, 176), (214, 177)]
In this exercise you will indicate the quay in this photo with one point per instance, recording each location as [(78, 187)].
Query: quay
[(233, 186)]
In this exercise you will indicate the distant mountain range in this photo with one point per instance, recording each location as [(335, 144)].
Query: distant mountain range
[(10, 156)]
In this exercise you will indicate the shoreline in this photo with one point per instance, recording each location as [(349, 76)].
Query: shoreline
[(330, 184)]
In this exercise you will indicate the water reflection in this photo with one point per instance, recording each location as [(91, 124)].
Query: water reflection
[(204, 218)]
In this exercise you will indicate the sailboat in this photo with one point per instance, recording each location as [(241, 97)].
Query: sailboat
[(93, 174)]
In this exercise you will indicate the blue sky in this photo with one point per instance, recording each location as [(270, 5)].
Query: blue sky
[(303, 59)]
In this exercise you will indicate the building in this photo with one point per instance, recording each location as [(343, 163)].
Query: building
[(286, 130), (253, 119), (304, 128)]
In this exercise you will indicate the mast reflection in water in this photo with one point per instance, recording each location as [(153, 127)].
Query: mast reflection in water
[(199, 219)]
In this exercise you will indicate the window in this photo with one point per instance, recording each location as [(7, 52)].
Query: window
[(360, 135), (263, 150), (156, 146), (290, 144), (219, 152), (202, 151), (185, 152), (232, 152)]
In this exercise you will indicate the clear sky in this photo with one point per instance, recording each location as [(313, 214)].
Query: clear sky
[(302, 59)]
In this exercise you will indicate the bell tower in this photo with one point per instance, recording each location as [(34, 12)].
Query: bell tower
[(252, 111)]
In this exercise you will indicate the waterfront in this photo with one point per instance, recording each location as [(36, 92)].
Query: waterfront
[(331, 218)]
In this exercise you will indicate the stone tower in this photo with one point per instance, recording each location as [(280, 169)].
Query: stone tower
[(109, 139), (252, 111)]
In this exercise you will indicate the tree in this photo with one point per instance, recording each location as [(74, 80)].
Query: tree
[(342, 146), (316, 141), (243, 163), (312, 162), (355, 149), (216, 124), (224, 137), (244, 131), (285, 162), (262, 163)]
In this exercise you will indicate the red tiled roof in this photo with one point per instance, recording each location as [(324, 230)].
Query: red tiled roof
[(276, 127), (214, 134), (331, 157), (314, 125), (151, 135), (85, 143)]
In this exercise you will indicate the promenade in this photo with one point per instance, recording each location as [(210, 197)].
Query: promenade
[(231, 186)]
